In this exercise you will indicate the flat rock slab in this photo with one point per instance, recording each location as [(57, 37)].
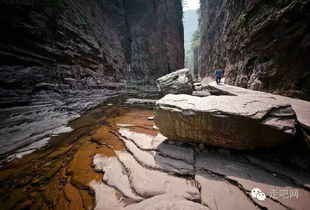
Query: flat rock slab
[(139, 102), (148, 183), (238, 122), (216, 193), (167, 201), (143, 141), (115, 175), (154, 160), (301, 107), (250, 177), (290, 174), (111, 202), (159, 143)]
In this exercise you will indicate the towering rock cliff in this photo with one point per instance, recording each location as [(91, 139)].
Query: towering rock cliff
[(59, 57), (261, 44), (156, 37)]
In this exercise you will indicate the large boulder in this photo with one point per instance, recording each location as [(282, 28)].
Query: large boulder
[(180, 81), (238, 122)]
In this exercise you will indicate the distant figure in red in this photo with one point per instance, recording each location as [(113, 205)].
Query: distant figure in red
[(218, 75)]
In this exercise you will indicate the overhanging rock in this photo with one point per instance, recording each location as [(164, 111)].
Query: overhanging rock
[(238, 122)]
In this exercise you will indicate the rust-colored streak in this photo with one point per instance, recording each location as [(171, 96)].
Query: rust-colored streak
[(58, 176)]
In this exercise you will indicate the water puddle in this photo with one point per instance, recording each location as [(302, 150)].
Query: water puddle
[(60, 175)]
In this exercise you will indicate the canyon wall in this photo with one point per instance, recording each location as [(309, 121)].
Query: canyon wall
[(156, 37), (261, 44), (60, 57)]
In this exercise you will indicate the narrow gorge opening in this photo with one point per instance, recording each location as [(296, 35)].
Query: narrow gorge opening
[(191, 13)]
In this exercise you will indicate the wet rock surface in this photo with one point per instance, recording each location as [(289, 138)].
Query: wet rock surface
[(120, 162), (225, 178), (177, 82), (239, 122), (41, 118), (60, 58)]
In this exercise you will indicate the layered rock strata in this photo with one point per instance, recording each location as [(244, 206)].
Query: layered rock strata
[(59, 58), (261, 45)]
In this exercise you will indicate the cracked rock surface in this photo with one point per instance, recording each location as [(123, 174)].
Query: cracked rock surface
[(159, 143), (115, 175), (224, 178), (122, 163), (148, 183), (153, 159), (167, 174), (248, 176), (216, 190), (153, 172)]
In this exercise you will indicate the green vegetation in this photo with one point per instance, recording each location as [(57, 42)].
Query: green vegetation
[(195, 39), (190, 21), (195, 42)]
